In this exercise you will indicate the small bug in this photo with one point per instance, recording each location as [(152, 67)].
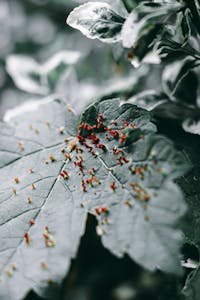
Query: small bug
[(16, 180), (13, 266), (144, 206), (113, 186), (52, 158), (61, 130), (72, 145), (123, 138), (84, 188), (127, 203), (68, 156), (32, 222), (126, 124), (29, 200), (114, 122), (8, 273), (27, 238), (64, 174), (21, 146), (43, 266), (50, 243)]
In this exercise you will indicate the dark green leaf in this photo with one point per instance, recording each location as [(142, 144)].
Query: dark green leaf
[(192, 287), (180, 82)]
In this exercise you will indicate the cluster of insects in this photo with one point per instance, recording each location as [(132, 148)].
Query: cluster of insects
[(89, 139)]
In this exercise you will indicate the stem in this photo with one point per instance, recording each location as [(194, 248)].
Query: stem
[(126, 6)]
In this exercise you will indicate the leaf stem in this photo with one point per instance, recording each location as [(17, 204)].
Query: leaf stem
[(126, 6)]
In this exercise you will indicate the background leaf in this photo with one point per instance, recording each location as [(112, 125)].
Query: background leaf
[(37, 78), (97, 20)]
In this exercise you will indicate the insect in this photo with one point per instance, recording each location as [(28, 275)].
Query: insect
[(27, 238), (16, 180), (113, 186), (32, 222), (52, 158), (29, 200)]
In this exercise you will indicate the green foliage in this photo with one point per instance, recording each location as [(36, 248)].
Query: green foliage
[(95, 145)]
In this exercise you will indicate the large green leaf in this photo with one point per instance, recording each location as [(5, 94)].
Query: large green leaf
[(97, 20), (115, 167)]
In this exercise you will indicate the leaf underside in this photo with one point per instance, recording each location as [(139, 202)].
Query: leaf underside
[(113, 166)]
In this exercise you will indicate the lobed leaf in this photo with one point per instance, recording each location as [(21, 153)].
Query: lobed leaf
[(113, 166)]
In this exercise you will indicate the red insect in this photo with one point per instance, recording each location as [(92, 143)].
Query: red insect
[(125, 123), (84, 188), (64, 174), (101, 146), (116, 151), (113, 186), (100, 210), (123, 138), (27, 238), (32, 222)]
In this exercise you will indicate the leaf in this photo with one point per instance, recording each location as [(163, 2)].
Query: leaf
[(142, 27), (191, 188), (41, 198), (36, 78), (191, 126), (192, 287), (150, 100), (144, 18), (97, 20), (133, 224), (115, 167), (117, 5), (176, 78)]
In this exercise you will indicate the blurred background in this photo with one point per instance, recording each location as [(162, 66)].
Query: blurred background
[(40, 55)]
